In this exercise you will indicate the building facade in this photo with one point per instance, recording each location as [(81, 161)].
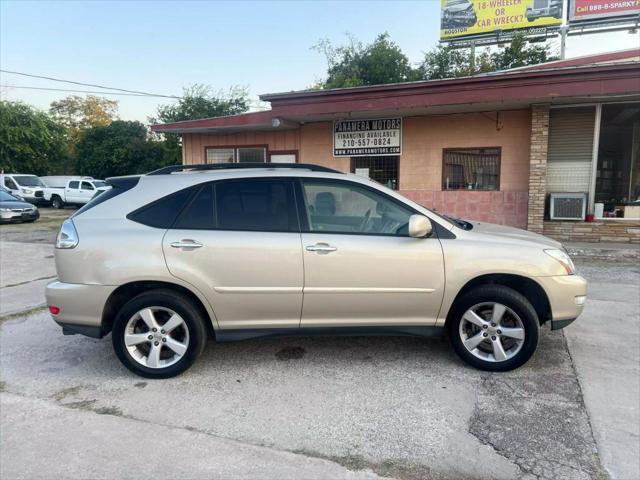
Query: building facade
[(526, 147)]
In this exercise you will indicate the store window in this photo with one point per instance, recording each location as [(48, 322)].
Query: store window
[(618, 174), (471, 169), (236, 155), (383, 170)]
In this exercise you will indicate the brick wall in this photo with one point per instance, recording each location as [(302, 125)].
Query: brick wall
[(538, 167), (508, 208), (627, 231)]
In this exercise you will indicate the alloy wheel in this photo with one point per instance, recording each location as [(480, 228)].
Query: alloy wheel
[(492, 332), (156, 337)]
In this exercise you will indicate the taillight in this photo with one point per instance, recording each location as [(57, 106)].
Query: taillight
[(67, 236), (54, 310)]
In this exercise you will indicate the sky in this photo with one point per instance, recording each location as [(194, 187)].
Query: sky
[(161, 47)]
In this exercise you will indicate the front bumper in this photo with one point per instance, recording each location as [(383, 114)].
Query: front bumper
[(80, 306), (11, 216), (567, 295)]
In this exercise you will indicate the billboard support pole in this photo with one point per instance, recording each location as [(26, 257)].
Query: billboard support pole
[(563, 40), (472, 58)]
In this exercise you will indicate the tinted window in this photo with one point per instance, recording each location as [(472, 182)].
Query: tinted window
[(198, 215), (341, 207), (256, 204), (87, 186), (161, 213), (74, 184), (10, 184)]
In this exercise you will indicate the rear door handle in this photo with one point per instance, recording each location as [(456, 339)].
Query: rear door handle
[(320, 248), (186, 243)]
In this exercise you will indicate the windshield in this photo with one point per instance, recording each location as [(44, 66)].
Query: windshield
[(28, 181), (99, 183), (5, 197)]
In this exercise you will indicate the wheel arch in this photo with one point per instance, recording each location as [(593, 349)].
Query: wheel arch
[(126, 292), (529, 288)]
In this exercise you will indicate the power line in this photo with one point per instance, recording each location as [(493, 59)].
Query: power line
[(81, 91), (89, 84)]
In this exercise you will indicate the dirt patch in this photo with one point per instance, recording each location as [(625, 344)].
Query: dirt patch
[(290, 353)]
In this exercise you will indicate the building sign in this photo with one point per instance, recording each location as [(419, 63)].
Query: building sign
[(468, 18), (360, 138), (602, 9)]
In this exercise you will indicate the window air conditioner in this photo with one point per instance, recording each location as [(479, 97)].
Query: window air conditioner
[(567, 206)]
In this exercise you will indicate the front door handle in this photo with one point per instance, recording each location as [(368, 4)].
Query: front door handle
[(320, 248), (186, 243)]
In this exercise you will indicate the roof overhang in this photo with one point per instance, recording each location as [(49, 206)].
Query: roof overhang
[(514, 89)]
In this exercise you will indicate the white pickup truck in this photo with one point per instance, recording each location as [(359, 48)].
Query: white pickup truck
[(76, 192)]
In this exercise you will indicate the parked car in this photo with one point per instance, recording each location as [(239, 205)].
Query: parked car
[(28, 187), (74, 192), (544, 8), (247, 250), (13, 209), (6, 190)]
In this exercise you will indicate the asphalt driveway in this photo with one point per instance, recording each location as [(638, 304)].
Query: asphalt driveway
[(351, 407)]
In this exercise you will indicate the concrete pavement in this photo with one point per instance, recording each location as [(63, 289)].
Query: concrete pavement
[(401, 407)]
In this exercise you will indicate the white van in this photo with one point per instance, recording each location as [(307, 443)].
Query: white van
[(28, 187)]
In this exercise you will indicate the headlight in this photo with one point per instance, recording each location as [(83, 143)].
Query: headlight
[(563, 258), (68, 236), (5, 209), (28, 191)]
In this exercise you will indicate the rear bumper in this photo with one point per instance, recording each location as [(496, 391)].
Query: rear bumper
[(80, 306), (567, 295)]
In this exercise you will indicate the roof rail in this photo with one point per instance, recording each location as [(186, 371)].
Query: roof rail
[(237, 166)]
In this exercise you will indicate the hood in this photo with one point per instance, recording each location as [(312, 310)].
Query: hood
[(513, 233), (15, 204)]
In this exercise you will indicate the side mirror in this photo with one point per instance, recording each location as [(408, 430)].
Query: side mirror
[(419, 226)]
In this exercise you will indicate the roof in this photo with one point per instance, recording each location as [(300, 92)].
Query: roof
[(615, 74)]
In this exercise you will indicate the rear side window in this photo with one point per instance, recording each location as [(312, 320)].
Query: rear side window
[(265, 205), (163, 212), (74, 184), (199, 214)]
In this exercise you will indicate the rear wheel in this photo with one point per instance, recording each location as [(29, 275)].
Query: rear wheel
[(494, 328), (158, 334)]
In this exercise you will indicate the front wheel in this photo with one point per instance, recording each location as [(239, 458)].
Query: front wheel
[(494, 328), (158, 334), (56, 202)]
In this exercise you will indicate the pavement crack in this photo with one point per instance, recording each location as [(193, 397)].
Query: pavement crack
[(27, 281)]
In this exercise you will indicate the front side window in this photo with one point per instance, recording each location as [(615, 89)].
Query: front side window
[(341, 207), (471, 169), (10, 184), (266, 205), (87, 186)]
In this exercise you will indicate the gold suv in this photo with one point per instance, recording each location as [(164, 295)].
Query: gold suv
[(236, 251)]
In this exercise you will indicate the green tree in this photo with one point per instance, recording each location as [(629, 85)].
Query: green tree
[(357, 64), (120, 148), (519, 52), (447, 61), (30, 140), (77, 113), (198, 101)]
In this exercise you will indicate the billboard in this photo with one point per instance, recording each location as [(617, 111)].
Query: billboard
[(602, 9), (466, 18), (358, 138)]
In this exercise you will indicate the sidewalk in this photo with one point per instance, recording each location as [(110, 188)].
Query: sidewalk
[(604, 250)]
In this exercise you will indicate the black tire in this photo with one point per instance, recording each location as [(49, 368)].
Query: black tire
[(172, 300), (513, 300), (56, 202)]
